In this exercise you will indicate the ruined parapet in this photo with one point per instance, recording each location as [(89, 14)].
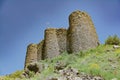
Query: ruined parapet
[(62, 39), (31, 54), (51, 46), (81, 33), (40, 50)]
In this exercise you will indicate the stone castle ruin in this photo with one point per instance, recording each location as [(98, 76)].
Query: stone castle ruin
[(81, 35)]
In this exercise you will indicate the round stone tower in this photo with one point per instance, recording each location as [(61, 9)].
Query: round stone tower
[(81, 33), (51, 46), (31, 55)]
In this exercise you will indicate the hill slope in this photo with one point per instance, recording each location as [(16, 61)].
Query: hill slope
[(102, 62)]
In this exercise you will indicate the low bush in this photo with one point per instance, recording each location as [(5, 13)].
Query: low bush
[(113, 40)]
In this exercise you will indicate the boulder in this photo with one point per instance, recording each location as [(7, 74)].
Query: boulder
[(34, 67), (116, 46)]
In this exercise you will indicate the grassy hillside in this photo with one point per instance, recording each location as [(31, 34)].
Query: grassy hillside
[(103, 61)]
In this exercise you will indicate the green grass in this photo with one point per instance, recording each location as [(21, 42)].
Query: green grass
[(12, 76), (102, 61)]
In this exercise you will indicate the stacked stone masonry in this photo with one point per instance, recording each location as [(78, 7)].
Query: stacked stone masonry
[(81, 35)]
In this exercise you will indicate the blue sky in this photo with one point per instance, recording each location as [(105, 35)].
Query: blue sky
[(23, 22)]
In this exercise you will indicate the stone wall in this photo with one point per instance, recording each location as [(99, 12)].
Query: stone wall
[(81, 35), (40, 51), (62, 39)]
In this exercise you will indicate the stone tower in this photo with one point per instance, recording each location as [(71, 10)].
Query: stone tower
[(31, 54), (81, 33), (51, 46)]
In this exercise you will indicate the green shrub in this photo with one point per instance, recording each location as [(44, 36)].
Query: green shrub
[(31, 74), (113, 40)]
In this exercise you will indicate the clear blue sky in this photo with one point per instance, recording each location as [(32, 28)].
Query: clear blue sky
[(23, 22)]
